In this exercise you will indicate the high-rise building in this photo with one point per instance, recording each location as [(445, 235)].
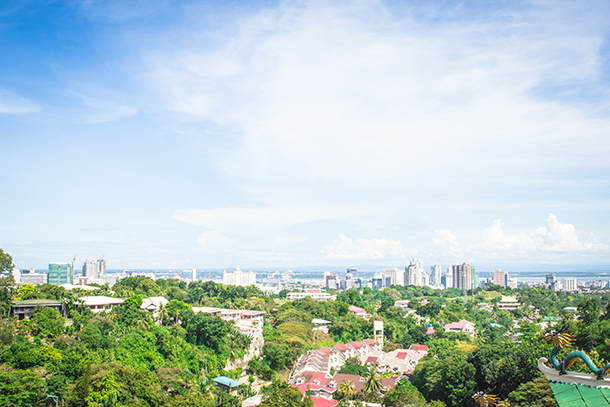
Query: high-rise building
[(353, 272), (463, 276), (60, 273), (90, 269), (414, 271), (239, 278), (570, 284), (435, 274), (194, 276), (333, 281), (101, 268), (397, 276), (425, 278), (381, 281), (447, 280), (501, 278), (553, 283)]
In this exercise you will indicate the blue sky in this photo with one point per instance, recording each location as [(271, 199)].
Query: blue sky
[(167, 134)]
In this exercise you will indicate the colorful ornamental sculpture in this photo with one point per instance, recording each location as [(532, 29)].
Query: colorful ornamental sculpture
[(563, 340), (574, 389), (484, 399)]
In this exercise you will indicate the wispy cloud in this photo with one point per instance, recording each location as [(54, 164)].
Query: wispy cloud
[(331, 101), (11, 103), (364, 249), (103, 110)]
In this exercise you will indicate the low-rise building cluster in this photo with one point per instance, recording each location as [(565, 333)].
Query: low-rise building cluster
[(314, 369)]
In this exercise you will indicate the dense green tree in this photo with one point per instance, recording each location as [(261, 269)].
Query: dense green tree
[(404, 394), (353, 366), (130, 316), (6, 261), (285, 397), (536, 393), (47, 322), (588, 311), (21, 388), (7, 294), (207, 330)]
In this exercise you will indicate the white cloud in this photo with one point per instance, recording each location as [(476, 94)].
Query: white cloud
[(444, 238), (495, 240), (314, 89), (350, 102), (562, 238), (554, 241), (345, 248), (104, 110), (11, 103), (217, 242), (268, 218)]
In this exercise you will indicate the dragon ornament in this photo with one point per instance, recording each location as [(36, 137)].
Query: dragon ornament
[(563, 340), (484, 399)]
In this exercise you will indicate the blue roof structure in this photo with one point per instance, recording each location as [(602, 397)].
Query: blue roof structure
[(227, 381)]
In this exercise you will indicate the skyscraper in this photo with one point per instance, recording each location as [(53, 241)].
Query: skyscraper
[(414, 271), (397, 276), (90, 269), (435, 274), (501, 278), (101, 268), (194, 276), (463, 276)]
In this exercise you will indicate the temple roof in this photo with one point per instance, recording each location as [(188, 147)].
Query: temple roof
[(576, 389), (578, 395)]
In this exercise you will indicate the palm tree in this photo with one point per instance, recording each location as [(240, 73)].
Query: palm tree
[(347, 388), (373, 383)]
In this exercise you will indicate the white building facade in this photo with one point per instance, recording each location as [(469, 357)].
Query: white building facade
[(397, 275), (239, 278), (415, 272), (570, 284)]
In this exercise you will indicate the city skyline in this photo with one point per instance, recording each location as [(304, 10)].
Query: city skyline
[(280, 134)]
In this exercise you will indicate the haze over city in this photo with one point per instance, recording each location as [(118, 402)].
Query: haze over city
[(279, 134)]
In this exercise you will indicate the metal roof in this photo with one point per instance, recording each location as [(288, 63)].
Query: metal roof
[(227, 381), (578, 395)]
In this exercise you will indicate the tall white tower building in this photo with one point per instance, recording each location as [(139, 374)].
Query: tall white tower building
[(415, 272), (435, 274), (570, 284), (194, 276), (101, 268), (397, 276), (90, 269)]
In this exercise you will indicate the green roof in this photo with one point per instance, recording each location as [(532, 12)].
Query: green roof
[(578, 395), (22, 303)]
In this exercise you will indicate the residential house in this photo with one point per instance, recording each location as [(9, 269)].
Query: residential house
[(462, 326), (359, 312), (100, 303), (320, 325), (24, 309)]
